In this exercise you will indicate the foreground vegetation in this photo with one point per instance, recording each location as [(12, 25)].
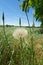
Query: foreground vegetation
[(28, 51)]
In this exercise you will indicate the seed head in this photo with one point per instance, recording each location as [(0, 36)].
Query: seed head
[(20, 32)]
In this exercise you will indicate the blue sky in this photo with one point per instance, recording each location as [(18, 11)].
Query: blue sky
[(13, 13)]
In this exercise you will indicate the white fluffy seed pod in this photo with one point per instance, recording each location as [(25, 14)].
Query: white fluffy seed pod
[(20, 32)]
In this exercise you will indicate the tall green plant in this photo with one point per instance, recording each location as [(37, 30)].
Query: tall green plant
[(20, 22), (5, 48), (4, 27)]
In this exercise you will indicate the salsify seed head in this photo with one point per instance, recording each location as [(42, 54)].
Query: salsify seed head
[(20, 32)]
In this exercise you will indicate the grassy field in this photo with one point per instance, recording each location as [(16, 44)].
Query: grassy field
[(37, 39), (10, 30)]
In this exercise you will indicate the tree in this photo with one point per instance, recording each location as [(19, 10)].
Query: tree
[(37, 5)]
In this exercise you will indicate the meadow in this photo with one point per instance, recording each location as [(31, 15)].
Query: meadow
[(14, 53)]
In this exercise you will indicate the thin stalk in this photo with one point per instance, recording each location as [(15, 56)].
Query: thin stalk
[(30, 34), (4, 28), (20, 50), (11, 60), (32, 50), (4, 32), (33, 53), (27, 19), (30, 58), (20, 22)]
